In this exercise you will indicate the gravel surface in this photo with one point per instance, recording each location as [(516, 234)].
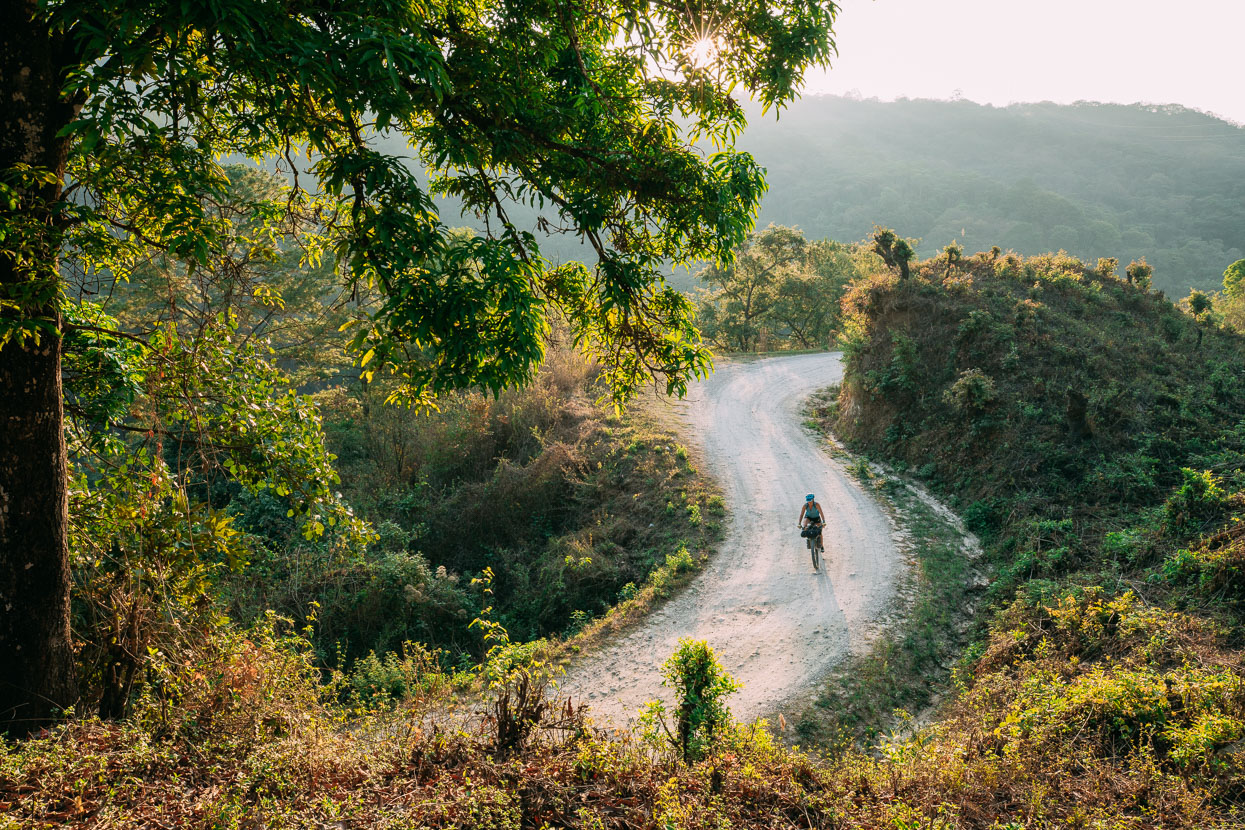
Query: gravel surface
[(775, 624)]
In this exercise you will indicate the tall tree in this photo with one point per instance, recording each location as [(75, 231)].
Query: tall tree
[(808, 298), (1234, 280), (36, 657), (744, 291), (592, 112), (1233, 302)]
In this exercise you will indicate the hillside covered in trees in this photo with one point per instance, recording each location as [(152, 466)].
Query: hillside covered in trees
[(306, 490), (1096, 180), (1090, 432), (1086, 427)]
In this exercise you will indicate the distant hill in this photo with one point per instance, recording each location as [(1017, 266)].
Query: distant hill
[(1166, 183), (1096, 180)]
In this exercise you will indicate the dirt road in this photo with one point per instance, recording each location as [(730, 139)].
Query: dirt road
[(776, 625)]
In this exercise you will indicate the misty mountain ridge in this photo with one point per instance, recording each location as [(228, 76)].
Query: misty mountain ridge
[(1162, 182), (1096, 180)]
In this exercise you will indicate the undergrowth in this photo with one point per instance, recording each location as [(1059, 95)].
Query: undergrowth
[(1105, 689), (254, 741), (1090, 432), (573, 508)]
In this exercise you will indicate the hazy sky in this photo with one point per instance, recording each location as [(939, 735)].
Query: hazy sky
[(999, 51)]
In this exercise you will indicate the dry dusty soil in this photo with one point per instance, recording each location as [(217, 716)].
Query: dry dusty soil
[(775, 624)]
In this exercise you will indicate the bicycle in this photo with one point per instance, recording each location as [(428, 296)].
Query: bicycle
[(815, 546)]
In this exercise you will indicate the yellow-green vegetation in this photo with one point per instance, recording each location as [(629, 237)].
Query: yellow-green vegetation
[(1229, 305), (1105, 690), (695, 724), (1043, 738), (568, 504), (1091, 432)]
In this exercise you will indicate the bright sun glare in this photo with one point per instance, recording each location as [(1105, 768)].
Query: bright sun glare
[(702, 52)]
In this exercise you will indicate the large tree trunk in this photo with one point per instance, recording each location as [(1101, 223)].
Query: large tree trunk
[(36, 657)]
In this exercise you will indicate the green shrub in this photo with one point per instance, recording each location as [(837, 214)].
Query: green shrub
[(1139, 273), (1008, 267), (972, 392), (1199, 503), (1194, 744), (700, 687), (982, 517), (1199, 303), (676, 563), (579, 619), (1216, 567), (1119, 545), (902, 373)]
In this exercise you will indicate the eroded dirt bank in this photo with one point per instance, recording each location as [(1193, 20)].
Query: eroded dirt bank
[(775, 624)]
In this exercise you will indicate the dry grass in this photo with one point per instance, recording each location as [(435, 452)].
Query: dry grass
[(574, 508), (444, 775), (247, 738)]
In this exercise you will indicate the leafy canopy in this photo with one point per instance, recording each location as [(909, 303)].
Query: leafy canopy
[(1234, 280), (781, 291), (591, 112)]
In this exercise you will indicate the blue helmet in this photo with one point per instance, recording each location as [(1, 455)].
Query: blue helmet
[(809, 497)]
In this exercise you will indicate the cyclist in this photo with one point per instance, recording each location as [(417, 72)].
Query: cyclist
[(811, 514)]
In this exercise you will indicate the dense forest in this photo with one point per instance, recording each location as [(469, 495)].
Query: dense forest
[(1095, 180), (1164, 183), (1087, 428)]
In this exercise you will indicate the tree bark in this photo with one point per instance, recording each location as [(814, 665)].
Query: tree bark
[(36, 656), (1078, 422)]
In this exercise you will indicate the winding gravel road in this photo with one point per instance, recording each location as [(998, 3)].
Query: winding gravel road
[(775, 624)]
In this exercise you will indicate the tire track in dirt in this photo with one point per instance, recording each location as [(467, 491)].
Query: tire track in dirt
[(775, 624)]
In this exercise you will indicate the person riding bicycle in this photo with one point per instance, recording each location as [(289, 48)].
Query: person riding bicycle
[(811, 515)]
